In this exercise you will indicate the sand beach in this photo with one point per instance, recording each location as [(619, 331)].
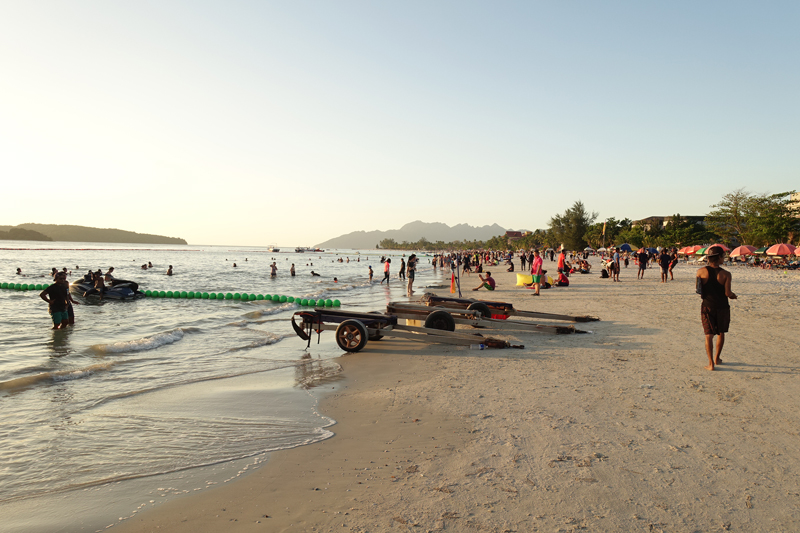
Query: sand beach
[(618, 430)]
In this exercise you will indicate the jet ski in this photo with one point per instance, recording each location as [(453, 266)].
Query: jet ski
[(118, 289)]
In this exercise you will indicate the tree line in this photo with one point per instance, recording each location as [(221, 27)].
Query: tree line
[(739, 218)]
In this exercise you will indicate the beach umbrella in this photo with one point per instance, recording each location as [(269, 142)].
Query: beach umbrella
[(762, 250), (725, 248), (701, 251), (588, 249), (686, 250), (781, 249), (652, 250), (693, 249), (626, 247), (743, 250), (601, 249)]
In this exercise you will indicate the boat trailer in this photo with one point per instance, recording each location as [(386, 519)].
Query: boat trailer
[(497, 310), (354, 330), (446, 317)]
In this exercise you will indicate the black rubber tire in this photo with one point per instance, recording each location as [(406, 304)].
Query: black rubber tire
[(440, 320), (482, 308), (351, 335)]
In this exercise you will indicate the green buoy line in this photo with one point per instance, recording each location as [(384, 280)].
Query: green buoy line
[(242, 297), (24, 286), (196, 295)]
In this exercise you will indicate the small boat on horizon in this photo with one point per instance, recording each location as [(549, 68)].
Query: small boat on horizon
[(273, 248)]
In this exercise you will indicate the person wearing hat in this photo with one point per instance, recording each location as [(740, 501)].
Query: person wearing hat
[(714, 285)]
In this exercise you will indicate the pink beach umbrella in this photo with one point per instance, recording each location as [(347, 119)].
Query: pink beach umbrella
[(725, 248), (781, 249), (743, 250)]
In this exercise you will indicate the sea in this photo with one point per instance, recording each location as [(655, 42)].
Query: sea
[(146, 400)]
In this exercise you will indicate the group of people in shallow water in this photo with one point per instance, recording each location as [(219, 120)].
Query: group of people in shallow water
[(406, 272)]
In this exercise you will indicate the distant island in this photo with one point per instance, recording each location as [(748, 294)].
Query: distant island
[(58, 232), (413, 232), (20, 234)]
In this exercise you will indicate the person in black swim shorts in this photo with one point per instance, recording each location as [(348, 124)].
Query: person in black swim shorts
[(714, 283)]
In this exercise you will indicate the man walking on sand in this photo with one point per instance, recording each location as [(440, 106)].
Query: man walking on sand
[(642, 257), (714, 284)]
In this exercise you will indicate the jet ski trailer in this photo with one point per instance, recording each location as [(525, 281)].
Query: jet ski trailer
[(472, 317), (500, 310), (354, 330)]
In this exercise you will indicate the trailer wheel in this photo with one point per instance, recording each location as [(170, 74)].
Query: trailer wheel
[(482, 308), (351, 335), (440, 320)]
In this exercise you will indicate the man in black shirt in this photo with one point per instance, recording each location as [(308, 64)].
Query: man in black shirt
[(643, 257), (57, 296), (664, 260)]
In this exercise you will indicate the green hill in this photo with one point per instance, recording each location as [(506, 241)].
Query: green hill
[(59, 232)]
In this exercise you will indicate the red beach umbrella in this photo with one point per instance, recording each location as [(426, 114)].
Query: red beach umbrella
[(743, 250), (692, 249), (781, 249)]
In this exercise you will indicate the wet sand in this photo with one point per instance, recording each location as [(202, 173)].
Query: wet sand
[(619, 430)]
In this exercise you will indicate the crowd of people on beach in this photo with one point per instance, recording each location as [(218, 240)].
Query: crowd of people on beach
[(713, 282)]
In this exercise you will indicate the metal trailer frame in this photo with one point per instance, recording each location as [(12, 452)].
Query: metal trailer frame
[(474, 318), (354, 330), (502, 308)]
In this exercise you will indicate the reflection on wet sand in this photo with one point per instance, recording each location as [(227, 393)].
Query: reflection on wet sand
[(310, 373)]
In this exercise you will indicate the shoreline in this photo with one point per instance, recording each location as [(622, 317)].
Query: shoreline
[(619, 430)]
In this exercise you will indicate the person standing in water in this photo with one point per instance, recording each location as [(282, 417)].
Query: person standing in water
[(714, 285), (370, 273), (57, 297), (401, 274), (386, 271), (412, 272), (274, 271), (291, 270)]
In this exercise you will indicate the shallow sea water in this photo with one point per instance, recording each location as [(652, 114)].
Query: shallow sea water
[(121, 409)]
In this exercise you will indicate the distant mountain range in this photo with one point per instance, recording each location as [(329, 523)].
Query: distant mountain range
[(58, 232), (412, 232)]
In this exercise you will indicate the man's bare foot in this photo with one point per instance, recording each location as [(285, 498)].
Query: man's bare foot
[(710, 367), (718, 361)]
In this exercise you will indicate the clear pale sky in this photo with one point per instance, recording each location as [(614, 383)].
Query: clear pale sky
[(256, 122)]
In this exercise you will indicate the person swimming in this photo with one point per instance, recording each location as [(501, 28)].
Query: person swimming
[(314, 274)]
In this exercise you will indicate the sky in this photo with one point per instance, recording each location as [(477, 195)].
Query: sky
[(289, 123)]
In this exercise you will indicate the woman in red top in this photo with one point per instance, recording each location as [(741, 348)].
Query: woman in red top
[(386, 271)]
